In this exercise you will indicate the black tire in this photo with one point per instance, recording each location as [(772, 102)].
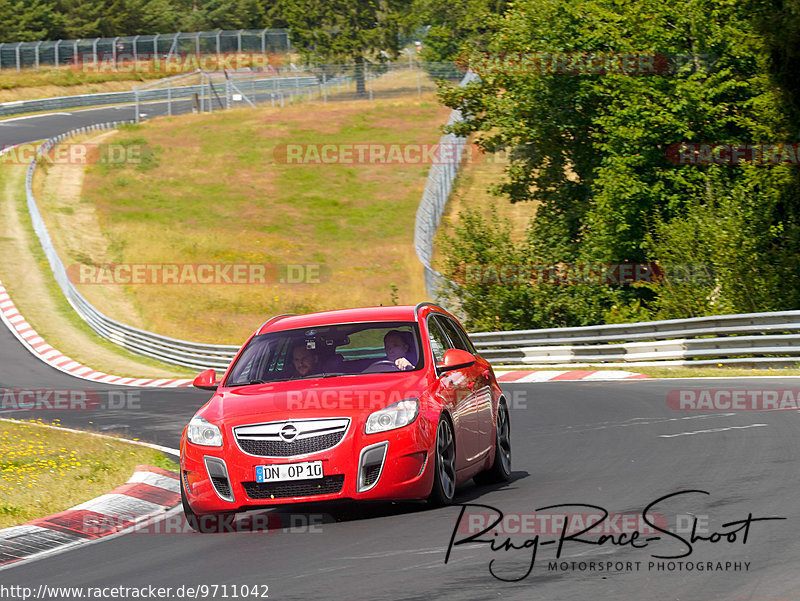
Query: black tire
[(500, 471), (205, 523), (444, 475)]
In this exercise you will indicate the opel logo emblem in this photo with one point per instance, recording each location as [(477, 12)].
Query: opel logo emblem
[(288, 433)]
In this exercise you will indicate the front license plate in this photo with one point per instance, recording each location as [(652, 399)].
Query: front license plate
[(306, 470)]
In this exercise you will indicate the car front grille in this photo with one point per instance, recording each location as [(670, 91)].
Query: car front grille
[(304, 488), (280, 448), (304, 437)]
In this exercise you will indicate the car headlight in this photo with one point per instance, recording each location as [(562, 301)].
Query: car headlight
[(203, 432), (396, 415)]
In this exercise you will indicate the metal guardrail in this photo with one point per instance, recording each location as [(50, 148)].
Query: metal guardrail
[(274, 85), (265, 85), (748, 339), (745, 339), (121, 49)]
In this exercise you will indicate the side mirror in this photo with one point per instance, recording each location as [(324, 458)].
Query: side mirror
[(455, 359), (207, 380)]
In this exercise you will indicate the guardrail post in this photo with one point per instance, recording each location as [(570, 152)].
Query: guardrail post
[(94, 51), (55, 52), (36, 54), (114, 51), (16, 52), (219, 32), (135, 51)]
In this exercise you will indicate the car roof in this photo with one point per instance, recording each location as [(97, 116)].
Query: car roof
[(322, 318)]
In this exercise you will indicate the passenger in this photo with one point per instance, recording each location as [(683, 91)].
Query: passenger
[(305, 360), (397, 350)]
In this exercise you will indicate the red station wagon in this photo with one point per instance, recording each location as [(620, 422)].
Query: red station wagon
[(364, 404)]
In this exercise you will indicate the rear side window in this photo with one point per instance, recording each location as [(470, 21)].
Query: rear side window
[(456, 330), (452, 331)]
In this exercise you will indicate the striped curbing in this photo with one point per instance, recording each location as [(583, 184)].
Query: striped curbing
[(23, 331), (149, 492), (524, 377)]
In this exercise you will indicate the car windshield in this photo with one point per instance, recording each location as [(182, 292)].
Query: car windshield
[(324, 351)]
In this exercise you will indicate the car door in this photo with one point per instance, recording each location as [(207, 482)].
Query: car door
[(451, 393), (458, 384), (478, 385)]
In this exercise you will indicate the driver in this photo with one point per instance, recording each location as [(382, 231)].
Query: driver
[(305, 360), (394, 343)]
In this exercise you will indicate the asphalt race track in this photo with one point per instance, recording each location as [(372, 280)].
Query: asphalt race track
[(613, 445)]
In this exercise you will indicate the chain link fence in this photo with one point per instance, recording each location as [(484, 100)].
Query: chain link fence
[(120, 51), (434, 199)]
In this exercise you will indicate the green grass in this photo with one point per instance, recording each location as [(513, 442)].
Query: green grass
[(44, 471)]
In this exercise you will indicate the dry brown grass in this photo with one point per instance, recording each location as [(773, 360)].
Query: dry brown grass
[(26, 275), (216, 194), (471, 192)]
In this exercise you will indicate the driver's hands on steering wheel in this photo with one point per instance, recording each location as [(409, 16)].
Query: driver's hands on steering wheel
[(403, 364)]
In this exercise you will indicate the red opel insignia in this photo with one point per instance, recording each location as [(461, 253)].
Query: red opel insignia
[(365, 404)]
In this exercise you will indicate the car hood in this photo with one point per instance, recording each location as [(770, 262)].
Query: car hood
[(346, 396)]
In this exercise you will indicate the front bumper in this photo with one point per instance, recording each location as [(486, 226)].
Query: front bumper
[(397, 464)]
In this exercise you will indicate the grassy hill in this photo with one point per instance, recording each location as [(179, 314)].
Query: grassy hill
[(216, 189)]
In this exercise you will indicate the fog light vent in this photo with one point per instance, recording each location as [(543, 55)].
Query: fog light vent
[(370, 465), (218, 473)]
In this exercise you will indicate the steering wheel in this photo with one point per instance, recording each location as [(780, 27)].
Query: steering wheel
[(379, 366)]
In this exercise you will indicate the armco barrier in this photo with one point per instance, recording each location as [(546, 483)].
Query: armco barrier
[(748, 339), (265, 85)]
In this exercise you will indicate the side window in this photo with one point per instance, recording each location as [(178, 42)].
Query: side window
[(467, 343), (439, 342), (457, 341)]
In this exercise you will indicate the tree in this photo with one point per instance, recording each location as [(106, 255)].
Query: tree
[(591, 145), (333, 30), (465, 24)]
